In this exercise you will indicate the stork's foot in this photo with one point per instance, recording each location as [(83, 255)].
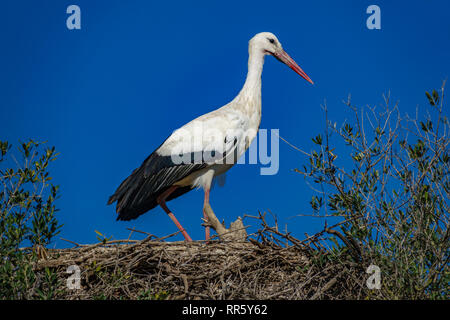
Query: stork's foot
[(236, 232)]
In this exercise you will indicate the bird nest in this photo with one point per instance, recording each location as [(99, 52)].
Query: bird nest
[(267, 266)]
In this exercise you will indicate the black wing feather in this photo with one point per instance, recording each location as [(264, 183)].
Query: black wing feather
[(138, 193)]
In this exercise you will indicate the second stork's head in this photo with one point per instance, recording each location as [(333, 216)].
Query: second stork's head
[(267, 43)]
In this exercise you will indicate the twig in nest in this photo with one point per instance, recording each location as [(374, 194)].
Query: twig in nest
[(185, 282), (139, 231), (326, 287), (72, 242), (354, 250), (274, 230), (166, 237)]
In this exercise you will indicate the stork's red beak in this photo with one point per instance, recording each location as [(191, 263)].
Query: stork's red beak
[(285, 58)]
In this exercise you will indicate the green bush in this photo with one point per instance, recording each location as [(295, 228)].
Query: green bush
[(387, 176), (27, 218)]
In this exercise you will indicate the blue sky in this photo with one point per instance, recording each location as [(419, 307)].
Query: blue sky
[(107, 95)]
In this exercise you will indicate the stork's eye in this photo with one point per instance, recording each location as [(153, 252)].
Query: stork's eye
[(271, 40)]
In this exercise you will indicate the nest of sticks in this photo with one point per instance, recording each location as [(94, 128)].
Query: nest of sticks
[(268, 265)]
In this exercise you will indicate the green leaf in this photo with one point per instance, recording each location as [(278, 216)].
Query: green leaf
[(318, 140), (435, 97), (430, 98)]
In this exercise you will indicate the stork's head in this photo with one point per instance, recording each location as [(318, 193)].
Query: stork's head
[(268, 43)]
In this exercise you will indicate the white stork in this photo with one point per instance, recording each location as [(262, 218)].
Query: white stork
[(204, 148)]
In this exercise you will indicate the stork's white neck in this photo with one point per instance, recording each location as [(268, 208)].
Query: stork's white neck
[(249, 98), (248, 101), (255, 66)]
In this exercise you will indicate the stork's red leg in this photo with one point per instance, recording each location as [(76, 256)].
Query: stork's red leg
[(205, 215), (162, 202)]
